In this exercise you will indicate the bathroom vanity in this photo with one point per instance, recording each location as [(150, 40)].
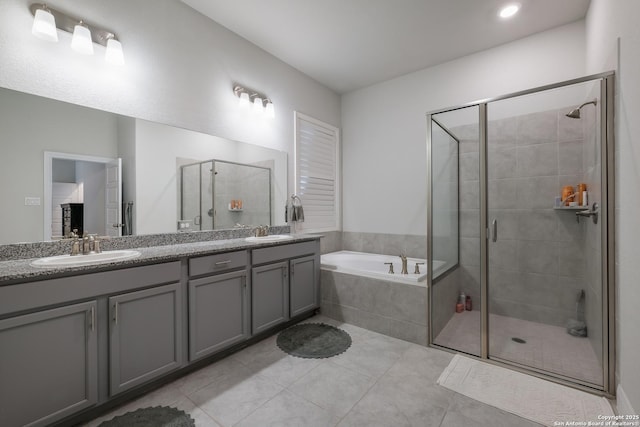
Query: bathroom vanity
[(74, 339)]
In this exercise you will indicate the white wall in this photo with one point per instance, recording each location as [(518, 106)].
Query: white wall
[(607, 21), (180, 68), (30, 126), (384, 148)]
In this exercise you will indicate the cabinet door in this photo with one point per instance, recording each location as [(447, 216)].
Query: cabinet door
[(303, 285), (145, 335), (218, 314), (48, 365), (269, 296)]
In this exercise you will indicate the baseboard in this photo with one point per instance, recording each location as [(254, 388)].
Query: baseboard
[(622, 402)]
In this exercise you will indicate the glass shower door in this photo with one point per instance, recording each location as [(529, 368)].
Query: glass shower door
[(455, 229), (545, 292)]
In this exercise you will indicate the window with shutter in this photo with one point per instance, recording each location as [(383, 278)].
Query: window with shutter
[(317, 174)]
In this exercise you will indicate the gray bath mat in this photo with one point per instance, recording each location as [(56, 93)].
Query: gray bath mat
[(314, 340), (158, 416)]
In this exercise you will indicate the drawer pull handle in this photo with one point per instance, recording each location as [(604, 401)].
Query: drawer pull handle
[(222, 263), (115, 313)]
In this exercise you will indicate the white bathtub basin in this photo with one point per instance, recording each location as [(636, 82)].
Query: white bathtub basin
[(272, 238), (79, 260)]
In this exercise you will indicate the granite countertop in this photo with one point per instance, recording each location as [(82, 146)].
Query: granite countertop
[(16, 271)]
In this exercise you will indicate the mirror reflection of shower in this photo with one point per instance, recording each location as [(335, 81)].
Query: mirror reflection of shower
[(216, 194)]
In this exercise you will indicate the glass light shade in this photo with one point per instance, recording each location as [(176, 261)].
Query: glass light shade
[(257, 104), (244, 99), (44, 26), (270, 110), (81, 41), (114, 54)]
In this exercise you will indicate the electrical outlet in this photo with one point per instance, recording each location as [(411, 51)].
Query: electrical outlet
[(32, 201), (184, 225)]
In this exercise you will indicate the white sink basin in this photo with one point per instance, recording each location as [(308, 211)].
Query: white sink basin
[(79, 260), (272, 238)]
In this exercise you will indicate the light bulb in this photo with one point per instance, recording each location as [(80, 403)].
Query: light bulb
[(508, 11), (44, 26), (257, 104), (114, 54), (244, 99), (81, 41), (270, 110)]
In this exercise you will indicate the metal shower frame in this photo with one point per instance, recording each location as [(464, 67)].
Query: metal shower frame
[(607, 142)]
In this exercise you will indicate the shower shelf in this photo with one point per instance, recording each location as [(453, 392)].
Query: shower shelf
[(235, 209), (570, 208)]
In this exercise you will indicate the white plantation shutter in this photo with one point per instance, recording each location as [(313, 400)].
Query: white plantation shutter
[(317, 173)]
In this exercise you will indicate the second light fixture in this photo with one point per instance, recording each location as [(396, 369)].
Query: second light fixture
[(250, 98)]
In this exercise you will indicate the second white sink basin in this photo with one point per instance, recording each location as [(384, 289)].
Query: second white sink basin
[(272, 238), (79, 260)]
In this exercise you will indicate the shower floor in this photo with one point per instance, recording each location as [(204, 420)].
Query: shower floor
[(546, 347)]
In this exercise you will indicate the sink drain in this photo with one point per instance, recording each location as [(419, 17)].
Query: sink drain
[(518, 340)]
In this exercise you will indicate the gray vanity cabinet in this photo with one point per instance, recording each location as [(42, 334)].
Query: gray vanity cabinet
[(276, 297), (48, 365), (269, 296), (218, 313), (145, 335), (303, 284)]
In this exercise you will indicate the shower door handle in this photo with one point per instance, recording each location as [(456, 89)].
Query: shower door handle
[(494, 230)]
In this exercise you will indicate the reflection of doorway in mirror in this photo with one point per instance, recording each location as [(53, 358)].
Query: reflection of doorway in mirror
[(89, 188)]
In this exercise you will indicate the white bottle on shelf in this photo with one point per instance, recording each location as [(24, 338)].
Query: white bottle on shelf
[(585, 202)]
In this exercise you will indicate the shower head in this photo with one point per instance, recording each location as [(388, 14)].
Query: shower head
[(575, 113)]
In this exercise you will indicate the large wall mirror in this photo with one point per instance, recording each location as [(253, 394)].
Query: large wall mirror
[(57, 154)]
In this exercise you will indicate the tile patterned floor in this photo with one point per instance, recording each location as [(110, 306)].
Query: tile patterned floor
[(547, 347), (379, 381)]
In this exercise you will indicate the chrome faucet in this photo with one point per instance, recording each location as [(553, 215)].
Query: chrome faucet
[(89, 244), (404, 265), (261, 231)]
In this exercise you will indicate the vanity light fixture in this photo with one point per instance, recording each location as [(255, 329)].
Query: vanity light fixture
[(47, 20), (257, 103), (81, 41), (114, 54), (509, 10), (261, 104), (269, 109), (44, 24), (244, 100)]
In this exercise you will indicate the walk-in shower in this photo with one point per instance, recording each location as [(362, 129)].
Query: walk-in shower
[(533, 265)]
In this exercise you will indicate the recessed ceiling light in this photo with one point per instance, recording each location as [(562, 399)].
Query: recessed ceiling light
[(509, 10)]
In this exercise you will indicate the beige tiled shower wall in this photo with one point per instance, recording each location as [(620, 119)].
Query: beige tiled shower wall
[(537, 265)]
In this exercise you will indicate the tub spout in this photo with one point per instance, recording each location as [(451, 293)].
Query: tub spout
[(404, 265)]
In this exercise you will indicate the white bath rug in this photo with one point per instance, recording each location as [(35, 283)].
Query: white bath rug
[(524, 395)]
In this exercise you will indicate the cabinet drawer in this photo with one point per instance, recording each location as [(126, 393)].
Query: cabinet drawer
[(25, 296), (212, 264), (277, 253)]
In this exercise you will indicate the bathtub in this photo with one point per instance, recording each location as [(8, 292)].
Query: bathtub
[(373, 265), (357, 288)]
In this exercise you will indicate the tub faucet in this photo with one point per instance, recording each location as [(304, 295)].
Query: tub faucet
[(404, 265)]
